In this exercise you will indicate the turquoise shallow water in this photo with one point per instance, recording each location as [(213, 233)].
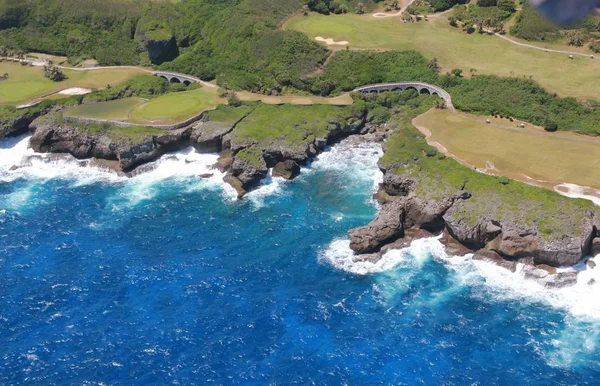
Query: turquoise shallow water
[(165, 279)]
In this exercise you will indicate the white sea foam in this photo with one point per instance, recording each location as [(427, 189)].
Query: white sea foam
[(579, 300), (17, 160), (353, 158), (268, 187)]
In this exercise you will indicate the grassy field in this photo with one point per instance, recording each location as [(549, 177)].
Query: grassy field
[(175, 107), (117, 110), (25, 83), (342, 100), (455, 49), (516, 153)]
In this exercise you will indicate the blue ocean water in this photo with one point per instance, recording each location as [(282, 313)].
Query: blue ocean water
[(165, 279)]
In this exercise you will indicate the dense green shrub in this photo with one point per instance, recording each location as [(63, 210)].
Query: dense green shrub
[(239, 42), (531, 25), (487, 3), (142, 85), (522, 99), (350, 69)]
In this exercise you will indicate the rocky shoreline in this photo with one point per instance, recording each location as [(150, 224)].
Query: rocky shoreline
[(501, 235), (406, 212)]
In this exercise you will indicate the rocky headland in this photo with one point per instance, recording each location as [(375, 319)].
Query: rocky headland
[(504, 222)]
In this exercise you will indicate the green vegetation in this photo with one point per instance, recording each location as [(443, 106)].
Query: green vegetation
[(251, 155), (522, 99), (408, 154), (350, 69), (489, 17), (175, 107), (145, 86), (454, 49), (163, 110), (531, 25), (236, 41), (291, 125), (117, 110), (342, 6), (133, 134), (25, 83), (229, 115)]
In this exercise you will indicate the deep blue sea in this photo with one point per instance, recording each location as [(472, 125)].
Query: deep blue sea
[(164, 278)]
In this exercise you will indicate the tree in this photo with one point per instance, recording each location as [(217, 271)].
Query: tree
[(550, 125), (433, 64), (360, 8), (233, 100), (468, 27), (576, 38), (305, 10), (595, 46), (343, 8), (507, 5), (52, 72), (487, 3), (457, 72), (452, 21)]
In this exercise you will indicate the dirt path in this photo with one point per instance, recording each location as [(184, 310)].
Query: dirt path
[(541, 48), (383, 15)]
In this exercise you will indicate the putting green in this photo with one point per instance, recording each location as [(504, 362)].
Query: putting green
[(26, 83), (455, 49), (524, 154), (175, 107), (118, 110)]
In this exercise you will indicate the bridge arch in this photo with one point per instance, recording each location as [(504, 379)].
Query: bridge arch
[(420, 87), (173, 77)]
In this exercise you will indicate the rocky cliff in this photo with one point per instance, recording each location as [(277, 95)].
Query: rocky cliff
[(52, 135), (510, 221)]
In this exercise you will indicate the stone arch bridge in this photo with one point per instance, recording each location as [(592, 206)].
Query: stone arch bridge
[(174, 77), (420, 87)]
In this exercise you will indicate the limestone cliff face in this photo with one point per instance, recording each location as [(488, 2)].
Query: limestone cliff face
[(251, 159), (19, 124), (48, 136), (507, 236)]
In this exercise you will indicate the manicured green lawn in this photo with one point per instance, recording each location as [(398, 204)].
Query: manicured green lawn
[(175, 107), (117, 110), (454, 49), (550, 157), (26, 83)]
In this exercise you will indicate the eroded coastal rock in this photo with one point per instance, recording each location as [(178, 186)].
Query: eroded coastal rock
[(52, 135), (508, 226), (16, 122)]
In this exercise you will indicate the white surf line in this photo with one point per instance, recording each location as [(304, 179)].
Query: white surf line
[(542, 48)]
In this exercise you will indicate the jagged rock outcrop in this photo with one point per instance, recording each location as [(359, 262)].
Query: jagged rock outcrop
[(387, 227), (287, 169), (496, 259), (249, 167), (499, 239), (17, 122), (208, 136), (53, 137), (252, 159)]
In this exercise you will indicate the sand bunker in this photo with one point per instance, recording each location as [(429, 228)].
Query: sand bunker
[(331, 42), (576, 191), (75, 91)]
